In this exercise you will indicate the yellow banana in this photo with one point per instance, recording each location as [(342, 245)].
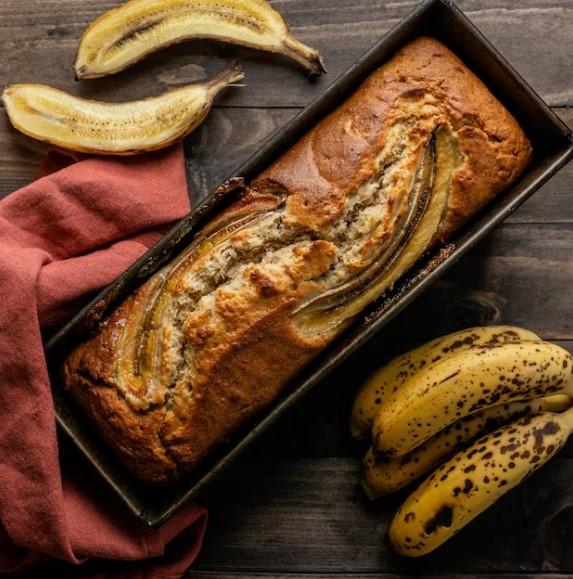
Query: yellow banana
[(383, 383), (466, 382), (126, 34), (381, 477), (474, 479), (125, 128)]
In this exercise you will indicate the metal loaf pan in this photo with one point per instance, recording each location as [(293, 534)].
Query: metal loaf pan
[(553, 146)]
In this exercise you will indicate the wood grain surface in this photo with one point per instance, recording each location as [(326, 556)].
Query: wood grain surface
[(291, 506)]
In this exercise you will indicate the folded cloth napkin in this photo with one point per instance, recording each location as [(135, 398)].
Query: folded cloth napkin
[(62, 238)]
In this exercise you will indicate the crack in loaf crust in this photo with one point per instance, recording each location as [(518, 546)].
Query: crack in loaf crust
[(214, 336)]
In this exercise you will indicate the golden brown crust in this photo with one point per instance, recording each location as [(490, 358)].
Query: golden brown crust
[(157, 449), (333, 158), (216, 335)]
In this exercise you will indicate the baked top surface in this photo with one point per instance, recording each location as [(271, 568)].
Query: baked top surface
[(218, 333)]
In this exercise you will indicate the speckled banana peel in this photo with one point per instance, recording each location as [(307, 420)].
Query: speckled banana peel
[(127, 34), (392, 376), (466, 382), (474, 479), (381, 477), (127, 128)]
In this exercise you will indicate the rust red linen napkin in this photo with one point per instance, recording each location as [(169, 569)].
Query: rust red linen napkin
[(62, 238)]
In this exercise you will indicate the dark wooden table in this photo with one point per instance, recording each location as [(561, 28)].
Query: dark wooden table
[(291, 507)]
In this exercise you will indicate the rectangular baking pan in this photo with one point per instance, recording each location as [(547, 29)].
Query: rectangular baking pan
[(553, 148)]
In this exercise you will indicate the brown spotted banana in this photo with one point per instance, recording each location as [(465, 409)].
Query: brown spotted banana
[(465, 382), (124, 128), (381, 477), (126, 34), (474, 479), (388, 379)]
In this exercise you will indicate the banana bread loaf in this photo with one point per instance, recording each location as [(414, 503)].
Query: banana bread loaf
[(214, 336)]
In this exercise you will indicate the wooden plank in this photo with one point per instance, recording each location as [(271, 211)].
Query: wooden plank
[(308, 515)]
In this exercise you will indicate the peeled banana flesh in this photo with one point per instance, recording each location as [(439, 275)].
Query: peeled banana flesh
[(392, 376), (125, 128), (126, 34), (470, 482)]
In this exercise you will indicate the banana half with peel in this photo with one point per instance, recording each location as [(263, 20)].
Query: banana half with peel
[(130, 32), (125, 128)]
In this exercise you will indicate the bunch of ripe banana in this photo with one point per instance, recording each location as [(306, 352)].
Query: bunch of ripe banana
[(125, 35), (484, 408)]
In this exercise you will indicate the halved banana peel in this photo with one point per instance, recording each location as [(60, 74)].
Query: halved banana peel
[(126, 34), (119, 128)]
